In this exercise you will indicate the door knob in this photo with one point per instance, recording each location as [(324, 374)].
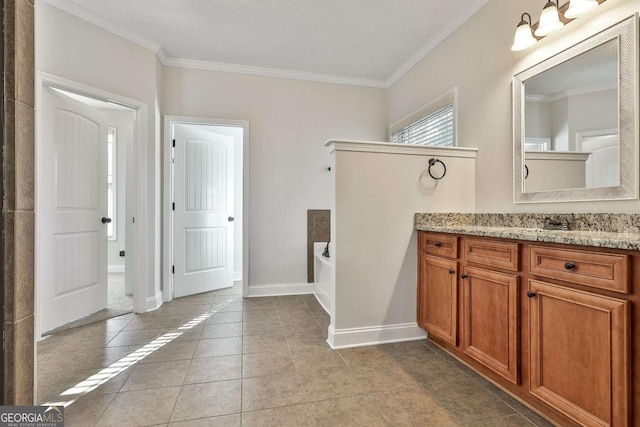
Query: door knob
[(231, 219), (106, 220)]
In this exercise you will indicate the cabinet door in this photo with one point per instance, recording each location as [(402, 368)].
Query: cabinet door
[(490, 320), (580, 348), (438, 298)]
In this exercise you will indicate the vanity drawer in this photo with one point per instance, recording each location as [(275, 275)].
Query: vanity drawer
[(595, 269), (443, 245), (491, 253)]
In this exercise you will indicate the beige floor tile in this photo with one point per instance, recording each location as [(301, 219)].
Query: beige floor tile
[(536, 419), (316, 358), (175, 350), (515, 420), (222, 421), (224, 307), (301, 341), (218, 347), (190, 334), (385, 379), (128, 338), (263, 303), (144, 323), (50, 385), (352, 411), (431, 370), (158, 374), (140, 408), (293, 317), (271, 391), (410, 349), (259, 327), (207, 400), (263, 343), (330, 384), (85, 359), (271, 363), (227, 317), (214, 369), (87, 410), (468, 401), (222, 330), (412, 408), (371, 357), (286, 416), (307, 326), (219, 298)]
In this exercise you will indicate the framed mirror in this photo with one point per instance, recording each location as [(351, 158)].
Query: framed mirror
[(575, 121)]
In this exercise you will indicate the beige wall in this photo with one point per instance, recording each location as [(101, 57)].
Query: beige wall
[(289, 122), (376, 196), (477, 59)]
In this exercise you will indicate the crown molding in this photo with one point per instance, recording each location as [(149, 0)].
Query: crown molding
[(434, 41), (269, 72)]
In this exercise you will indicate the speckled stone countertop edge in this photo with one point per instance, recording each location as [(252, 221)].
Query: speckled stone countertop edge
[(628, 241)]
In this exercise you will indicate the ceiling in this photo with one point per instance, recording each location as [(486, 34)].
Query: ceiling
[(364, 42)]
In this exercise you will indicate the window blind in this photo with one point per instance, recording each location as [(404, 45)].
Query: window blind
[(436, 128)]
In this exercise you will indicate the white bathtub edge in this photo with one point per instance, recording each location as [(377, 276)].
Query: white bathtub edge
[(386, 334)]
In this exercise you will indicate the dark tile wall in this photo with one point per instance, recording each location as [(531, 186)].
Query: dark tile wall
[(18, 145), (318, 230)]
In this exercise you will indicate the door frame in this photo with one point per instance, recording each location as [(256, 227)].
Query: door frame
[(167, 196), (135, 181)]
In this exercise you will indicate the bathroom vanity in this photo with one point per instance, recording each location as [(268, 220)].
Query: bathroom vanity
[(548, 315)]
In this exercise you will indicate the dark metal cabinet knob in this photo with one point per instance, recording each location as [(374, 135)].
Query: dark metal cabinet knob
[(464, 276), (106, 220), (569, 266), (231, 219), (438, 244), (531, 294), (452, 272)]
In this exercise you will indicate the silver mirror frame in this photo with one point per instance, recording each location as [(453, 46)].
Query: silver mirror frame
[(626, 32)]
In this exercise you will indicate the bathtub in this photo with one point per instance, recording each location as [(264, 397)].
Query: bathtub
[(323, 276)]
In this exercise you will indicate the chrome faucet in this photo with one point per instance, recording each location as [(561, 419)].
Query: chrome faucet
[(550, 224)]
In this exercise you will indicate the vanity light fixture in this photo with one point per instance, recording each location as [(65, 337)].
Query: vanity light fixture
[(580, 7), (549, 20), (552, 19), (524, 35)]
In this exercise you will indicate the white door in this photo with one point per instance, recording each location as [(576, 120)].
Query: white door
[(602, 167), (203, 212), (72, 189)]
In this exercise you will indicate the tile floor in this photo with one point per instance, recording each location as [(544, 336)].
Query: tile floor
[(261, 362)]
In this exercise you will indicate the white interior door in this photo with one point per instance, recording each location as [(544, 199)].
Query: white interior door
[(602, 167), (203, 212), (72, 189)]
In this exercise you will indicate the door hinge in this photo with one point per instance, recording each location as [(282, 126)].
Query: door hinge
[(174, 142), (173, 269), (173, 206)]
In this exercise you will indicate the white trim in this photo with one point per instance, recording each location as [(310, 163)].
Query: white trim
[(115, 268), (270, 72), (393, 148), (374, 335), (435, 41), (567, 93), (237, 277), (167, 225), (154, 302), (578, 156), (135, 182), (281, 289)]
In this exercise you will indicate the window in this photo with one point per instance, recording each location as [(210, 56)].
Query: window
[(111, 183), (433, 124)]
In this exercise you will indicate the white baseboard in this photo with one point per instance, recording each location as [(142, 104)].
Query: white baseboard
[(237, 277), (116, 268), (280, 289), (154, 302), (358, 337)]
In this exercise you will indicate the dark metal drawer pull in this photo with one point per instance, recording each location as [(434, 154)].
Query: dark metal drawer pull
[(569, 266)]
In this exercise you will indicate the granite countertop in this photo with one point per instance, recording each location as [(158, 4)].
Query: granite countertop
[(617, 231)]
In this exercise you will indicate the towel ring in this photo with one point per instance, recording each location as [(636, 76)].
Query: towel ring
[(433, 162), (526, 172)]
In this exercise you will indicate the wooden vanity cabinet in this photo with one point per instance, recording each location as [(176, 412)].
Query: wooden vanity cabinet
[(559, 338), (438, 291)]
